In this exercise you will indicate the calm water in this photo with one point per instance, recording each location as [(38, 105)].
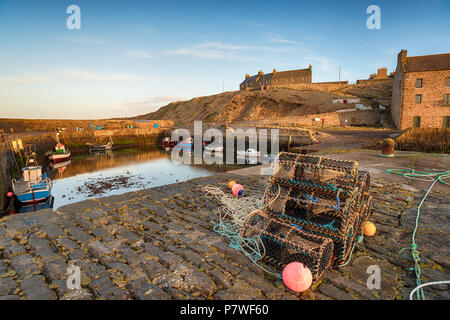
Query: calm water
[(104, 174)]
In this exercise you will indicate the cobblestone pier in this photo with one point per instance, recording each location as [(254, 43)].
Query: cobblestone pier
[(159, 244)]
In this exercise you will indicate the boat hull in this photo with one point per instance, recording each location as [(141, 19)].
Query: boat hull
[(59, 157), (28, 197), (185, 146)]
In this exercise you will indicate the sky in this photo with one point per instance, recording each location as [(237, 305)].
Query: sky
[(132, 57)]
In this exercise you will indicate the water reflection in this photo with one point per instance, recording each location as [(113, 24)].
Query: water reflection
[(115, 172)]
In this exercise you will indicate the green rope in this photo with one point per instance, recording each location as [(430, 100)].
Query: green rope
[(252, 247), (435, 176)]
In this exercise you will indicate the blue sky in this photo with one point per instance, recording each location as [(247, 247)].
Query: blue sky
[(130, 57)]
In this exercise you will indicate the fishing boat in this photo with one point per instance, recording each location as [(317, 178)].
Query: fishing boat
[(60, 154), (167, 142), (45, 204), (186, 145), (217, 149), (34, 186), (248, 153), (101, 147)]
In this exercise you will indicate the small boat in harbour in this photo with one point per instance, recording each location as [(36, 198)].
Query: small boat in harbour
[(34, 186), (217, 149), (101, 147), (60, 154), (186, 145), (248, 153), (167, 142)]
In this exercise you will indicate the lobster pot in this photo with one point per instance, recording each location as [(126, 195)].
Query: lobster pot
[(366, 210), (363, 185), (326, 172), (275, 197), (322, 218), (285, 243), (284, 168)]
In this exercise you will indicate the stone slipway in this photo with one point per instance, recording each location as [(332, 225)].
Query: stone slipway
[(159, 244)]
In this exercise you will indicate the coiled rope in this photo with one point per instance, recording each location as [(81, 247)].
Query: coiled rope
[(422, 176), (236, 210)]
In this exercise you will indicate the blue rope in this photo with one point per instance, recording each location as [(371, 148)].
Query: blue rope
[(252, 247)]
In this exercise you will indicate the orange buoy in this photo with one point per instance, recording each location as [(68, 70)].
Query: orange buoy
[(369, 229), (231, 184)]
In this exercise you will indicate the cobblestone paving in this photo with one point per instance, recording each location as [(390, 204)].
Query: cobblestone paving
[(159, 244)]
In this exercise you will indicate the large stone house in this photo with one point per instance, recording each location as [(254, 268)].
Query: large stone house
[(421, 91), (263, 81)]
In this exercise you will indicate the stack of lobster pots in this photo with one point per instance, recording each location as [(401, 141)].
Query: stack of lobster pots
[(313, 212)]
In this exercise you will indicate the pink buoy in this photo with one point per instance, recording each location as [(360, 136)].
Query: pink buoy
[(237, 190), (9, 194), (297, 277)]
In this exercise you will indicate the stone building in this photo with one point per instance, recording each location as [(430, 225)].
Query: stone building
[(421, 91), (381, 74), (264, 81)]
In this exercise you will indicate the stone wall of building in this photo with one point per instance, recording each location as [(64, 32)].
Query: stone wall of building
[(321, 86), (397, 92), (431, 110), (352, 117), (370, 81)]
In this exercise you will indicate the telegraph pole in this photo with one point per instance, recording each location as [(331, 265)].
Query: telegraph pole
[(339, 73)]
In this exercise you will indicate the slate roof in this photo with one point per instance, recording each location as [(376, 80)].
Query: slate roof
[(428, 63)]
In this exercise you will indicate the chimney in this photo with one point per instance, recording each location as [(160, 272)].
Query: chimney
[(274, 71), (260, 72), (401, 59), (247, 76)]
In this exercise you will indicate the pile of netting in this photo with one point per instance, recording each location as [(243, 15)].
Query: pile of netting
[(312, 212)]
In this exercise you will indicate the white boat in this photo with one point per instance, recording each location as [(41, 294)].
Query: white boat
[(248, 153), (269, 158), (210, 148), (60, 154), (101, 147)]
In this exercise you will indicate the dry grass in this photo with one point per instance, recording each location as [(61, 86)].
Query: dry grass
[(424, 140)]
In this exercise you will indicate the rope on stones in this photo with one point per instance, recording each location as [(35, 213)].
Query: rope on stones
[(422, 176), (232, 215)]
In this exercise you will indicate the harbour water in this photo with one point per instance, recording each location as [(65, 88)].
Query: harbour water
[(102, 174)]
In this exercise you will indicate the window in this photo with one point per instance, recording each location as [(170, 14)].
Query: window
[(416, 122), (446, 123), (448, 81), (418, 98), (446, 99), (419, 83)]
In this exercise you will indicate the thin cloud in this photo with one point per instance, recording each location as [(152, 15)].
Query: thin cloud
[(24, 80), (219, 50), (138, 54), (154, 100)]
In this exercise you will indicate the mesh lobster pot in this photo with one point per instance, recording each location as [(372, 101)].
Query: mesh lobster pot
[(275, 197), (363, 184), (326, 172), (285, 165), (366, 210), (323, 219), (285, 243)]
